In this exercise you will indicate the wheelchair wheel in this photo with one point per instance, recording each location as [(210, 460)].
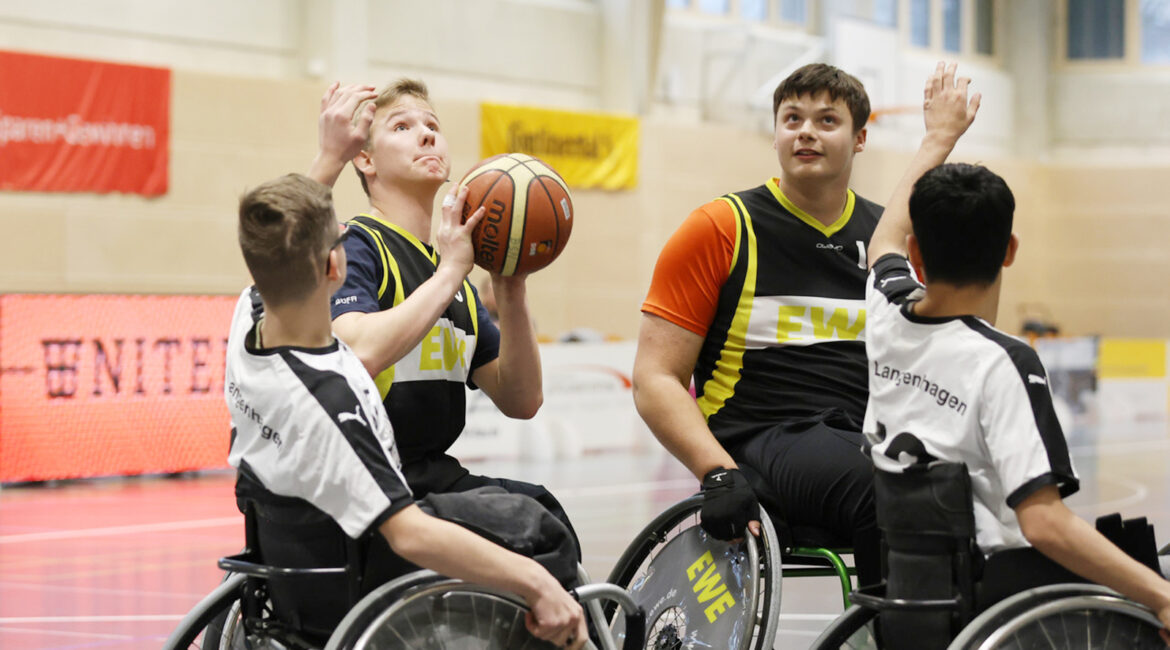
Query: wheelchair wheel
[(852, 630), (669, 573), (1062, 616), (426, 610), (214, 623)]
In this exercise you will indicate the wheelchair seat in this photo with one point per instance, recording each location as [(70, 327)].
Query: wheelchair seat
[(937, 582)]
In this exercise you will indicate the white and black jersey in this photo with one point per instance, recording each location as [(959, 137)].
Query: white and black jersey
[(308, 423), (959, 390)]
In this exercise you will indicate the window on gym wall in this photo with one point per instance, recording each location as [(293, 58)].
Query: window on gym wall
[(785, 14), (1125, 32), (880, 12), (953, 27), (1155, 31), (1096, 29)]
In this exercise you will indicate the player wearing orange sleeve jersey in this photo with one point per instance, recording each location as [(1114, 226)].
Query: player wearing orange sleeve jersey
[(759, 299)]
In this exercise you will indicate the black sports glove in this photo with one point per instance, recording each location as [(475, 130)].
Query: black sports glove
[(728, 504)]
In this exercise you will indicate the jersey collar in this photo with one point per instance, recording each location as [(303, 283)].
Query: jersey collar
[(828, 231), (405, 234)]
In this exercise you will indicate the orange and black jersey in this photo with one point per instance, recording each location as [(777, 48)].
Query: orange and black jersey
[(780, 301)]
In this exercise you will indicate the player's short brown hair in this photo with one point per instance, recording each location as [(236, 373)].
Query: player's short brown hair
[(816, 78), (286, 227), (392, 93)]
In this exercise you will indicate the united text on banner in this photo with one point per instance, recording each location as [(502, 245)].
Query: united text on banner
[(589, 150), (70, 125), (101, 385)]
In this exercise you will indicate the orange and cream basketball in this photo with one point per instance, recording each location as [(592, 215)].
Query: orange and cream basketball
[(528, 213)]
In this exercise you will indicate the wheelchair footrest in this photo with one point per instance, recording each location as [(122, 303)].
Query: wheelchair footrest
[(873, 597)]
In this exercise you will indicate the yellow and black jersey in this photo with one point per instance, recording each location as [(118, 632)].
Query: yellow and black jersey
[(779, 298), (424, 391)]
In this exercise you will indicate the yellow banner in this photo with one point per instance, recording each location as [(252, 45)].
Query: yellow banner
[(588, 150), (1132, 359)]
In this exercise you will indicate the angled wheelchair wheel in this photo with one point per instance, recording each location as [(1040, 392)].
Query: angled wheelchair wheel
[(853, 629), (1062, 616), (214, 623), (698, 591), (425, 610)]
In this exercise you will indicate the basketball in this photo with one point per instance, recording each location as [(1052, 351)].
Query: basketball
[(528, 213)]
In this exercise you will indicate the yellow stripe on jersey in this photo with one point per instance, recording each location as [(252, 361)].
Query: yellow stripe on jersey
[(385, 379), (471, 307), (721, 386), (827, 231)]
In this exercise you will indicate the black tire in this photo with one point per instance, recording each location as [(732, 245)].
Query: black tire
[(427, 610), (672, 522), (1062, 616), (849, 630), (203, 627)]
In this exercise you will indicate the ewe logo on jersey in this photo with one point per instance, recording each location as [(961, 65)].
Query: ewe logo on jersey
[(804, 320), (444, 353)]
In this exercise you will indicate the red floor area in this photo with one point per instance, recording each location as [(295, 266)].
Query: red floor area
[(112, 563)]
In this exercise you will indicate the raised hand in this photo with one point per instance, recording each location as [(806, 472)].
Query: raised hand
[(342, 128), (946, 108)]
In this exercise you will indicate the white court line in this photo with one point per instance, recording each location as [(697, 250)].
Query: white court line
[(808, 617), (122, 530), (39, 631), (598, 491), (626, 488), (1116, 448), (1140, 492), (131, 618), (4, 584)]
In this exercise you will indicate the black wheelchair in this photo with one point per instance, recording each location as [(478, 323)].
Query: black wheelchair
[(259, 605), (936, 594), (703, 593)]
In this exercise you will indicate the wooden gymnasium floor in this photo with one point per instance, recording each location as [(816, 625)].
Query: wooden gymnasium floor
[(114, 563)]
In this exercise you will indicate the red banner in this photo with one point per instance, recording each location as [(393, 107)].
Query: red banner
[(100, 385), (69, 125)]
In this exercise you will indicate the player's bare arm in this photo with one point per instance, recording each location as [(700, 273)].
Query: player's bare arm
[(663, 365), (1055, 531), (457, 552), (381, 338), (342, 129), (948, 113), (513, 380)]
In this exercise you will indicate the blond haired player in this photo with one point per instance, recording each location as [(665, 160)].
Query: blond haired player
[(406, 307)]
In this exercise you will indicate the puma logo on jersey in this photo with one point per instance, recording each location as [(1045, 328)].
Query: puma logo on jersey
[(892, 278), (1037, 379), (346, 416)]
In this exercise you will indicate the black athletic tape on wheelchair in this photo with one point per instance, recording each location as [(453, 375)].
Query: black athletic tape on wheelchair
[(927, 516), (1133, 536), (729, 503)]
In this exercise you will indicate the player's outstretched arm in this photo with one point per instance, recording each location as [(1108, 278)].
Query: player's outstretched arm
[(663, 365), (380, 339), (1057, 532), (342, 129), (947, 112), (457, 552), (513, 380)]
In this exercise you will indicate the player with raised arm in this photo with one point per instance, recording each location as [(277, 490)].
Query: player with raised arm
[(407, 307), (758, 297), (946, 385), (311, 439)]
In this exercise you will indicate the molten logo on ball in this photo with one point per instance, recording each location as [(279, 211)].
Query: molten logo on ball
[(489, 241), (528, 213)]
